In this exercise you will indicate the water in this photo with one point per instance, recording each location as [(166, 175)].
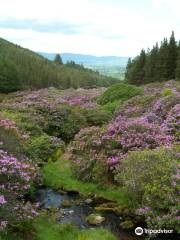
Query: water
[(76, 213)]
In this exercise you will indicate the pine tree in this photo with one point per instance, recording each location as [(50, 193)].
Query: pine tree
[(128, 67), (136, 71), (172, 57), (162, 61), (178, 64), (151, 65), (58, 59), (9, 80)]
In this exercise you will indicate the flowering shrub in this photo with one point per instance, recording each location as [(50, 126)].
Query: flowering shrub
[(145, 122), (50, 98), (154, 188), (112, 144), (15, 177), (10, 137), (89, 163)]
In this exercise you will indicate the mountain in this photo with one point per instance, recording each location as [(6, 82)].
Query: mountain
[(107, 65), (22, 69)]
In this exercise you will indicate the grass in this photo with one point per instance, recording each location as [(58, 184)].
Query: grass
[(58, 175), (46, 229)]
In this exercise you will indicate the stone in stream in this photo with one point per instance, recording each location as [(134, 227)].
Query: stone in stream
[(95, 219), (88, 201), (71, 212), (61, 192), (66, 203), (127, 225)]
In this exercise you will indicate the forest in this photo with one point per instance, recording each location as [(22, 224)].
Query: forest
[(158, 64), (23, 69)]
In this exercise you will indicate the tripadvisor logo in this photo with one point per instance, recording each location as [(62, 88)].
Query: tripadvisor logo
[(139, 231)]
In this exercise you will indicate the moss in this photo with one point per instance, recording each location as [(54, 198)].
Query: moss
[(59, 175)]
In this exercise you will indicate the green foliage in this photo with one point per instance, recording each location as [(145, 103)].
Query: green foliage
[(11, 141), (22, 230), (58, 59), (158, 64), (59, 175), (22, 69), (43, 148), (25, 120), (148, 170), (136, 67), (166, 92), (64, 122), (96, 117), (120, 91), (47, 229), (112, 106), (9, 81)]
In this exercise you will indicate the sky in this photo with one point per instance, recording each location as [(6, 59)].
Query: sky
[(96, 27)]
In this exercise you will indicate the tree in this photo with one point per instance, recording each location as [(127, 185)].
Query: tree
[(58, 59), (172, 57), (151, 65), (9, 80), (178, 64), (136, 72)]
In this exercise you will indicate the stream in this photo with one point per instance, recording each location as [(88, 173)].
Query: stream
[(76, 212)]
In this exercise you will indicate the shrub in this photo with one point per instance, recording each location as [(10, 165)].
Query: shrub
[(9, 80), (15, 177), (119, 91), (88, 165), (166, 92), (11, 139), (64, 122), (44, 147), (150, 178), (112, 106), (96, 117)]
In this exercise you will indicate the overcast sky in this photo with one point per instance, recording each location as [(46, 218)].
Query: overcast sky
[(98, 27)]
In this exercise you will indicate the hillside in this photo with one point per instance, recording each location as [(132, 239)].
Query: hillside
[(115, 149), (24, 69), (107, 65)]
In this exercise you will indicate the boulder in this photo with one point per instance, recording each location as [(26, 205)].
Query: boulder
[(95, 219)]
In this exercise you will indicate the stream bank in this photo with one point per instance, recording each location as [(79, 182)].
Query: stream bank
[(70, 208)]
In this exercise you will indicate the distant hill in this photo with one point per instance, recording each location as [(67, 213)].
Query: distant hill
[(107, 65), (21, 69)]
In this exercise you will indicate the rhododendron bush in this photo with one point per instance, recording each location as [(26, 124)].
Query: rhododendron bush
[(15, 179), (155, 125), (128, 152), (151, 179), (17, 173)]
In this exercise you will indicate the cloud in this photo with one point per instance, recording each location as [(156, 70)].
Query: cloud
[(42, 26), (89, 26)]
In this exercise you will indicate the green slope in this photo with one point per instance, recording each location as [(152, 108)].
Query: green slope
[(24, 69)]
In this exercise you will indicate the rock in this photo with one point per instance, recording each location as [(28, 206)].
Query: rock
[(95, 219), (61, 192), (88, 201), (127, 225), (71, 211), (100, 200), (77, 202), (66, 203)]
